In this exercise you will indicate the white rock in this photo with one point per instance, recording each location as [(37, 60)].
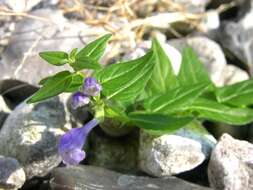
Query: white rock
[(22, 5), (30, 134), (12, 175), (233, 74), (231, 165), (174, 153)]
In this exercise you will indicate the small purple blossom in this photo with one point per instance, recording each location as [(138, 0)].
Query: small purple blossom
[(91, 87), (79, 99), (71, 143)]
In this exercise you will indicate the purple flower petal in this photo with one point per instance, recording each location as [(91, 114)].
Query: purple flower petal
[(79, 99), (71, 143), (91, 87)]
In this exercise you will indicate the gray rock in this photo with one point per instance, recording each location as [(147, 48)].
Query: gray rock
[(209, 52), (21, 5), (119, 154), (30, 134), (53, 32), (231, 165), (4, 111), (236, 37), (174, 153), (88, 177), (12, 175)]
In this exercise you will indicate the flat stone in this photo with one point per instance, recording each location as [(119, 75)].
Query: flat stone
[(12, 175), (30, 134), (52, 32), (119, 154), (88, 177), (231, 165), (174, 153)]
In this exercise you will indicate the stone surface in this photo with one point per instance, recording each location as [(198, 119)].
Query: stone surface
[(21, 61), (231, 165), (233, 74), (21, 5), (174, 153), (4, 111), (12, 175), (236, 36), (30, 134), (209, 52), (119, 154), (87, 177)]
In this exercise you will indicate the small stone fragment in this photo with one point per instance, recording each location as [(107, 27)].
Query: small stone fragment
[(231, 165), (12, 175)]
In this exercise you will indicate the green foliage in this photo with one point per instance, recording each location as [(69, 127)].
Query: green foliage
[(146, 92), (214, 111), (57, 58), (158, 122), (239, 94), (192, 71), (163, 77), (95, 49), (125, 81), (177, 99)]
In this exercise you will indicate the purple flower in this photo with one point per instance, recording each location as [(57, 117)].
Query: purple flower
[(71, 143), (91, 87), (79, 99)]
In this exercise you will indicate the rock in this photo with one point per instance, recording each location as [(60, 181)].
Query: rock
[(174, 153), (30, 134), (88, 177), (12, 175), (233, 74), (209, 52), (191, 6), (15, 91), (21, 5), (231, 165), (236, 38), (21, 61), (4, 111), (119, 154)]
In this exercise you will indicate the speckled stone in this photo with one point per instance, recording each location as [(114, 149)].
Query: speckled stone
[(174, 153), (30, 134), (12, 175), (231, 165)]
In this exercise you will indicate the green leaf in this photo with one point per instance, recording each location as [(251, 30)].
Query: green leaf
[(214, 111), (96, 48), (239, 94), (52, 87), (57, 58), (73, 53), (176, 99), (125, 81), (85, 62), (158, 122), (76, 82), (163, 77), (43, 81), (192, 70)]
